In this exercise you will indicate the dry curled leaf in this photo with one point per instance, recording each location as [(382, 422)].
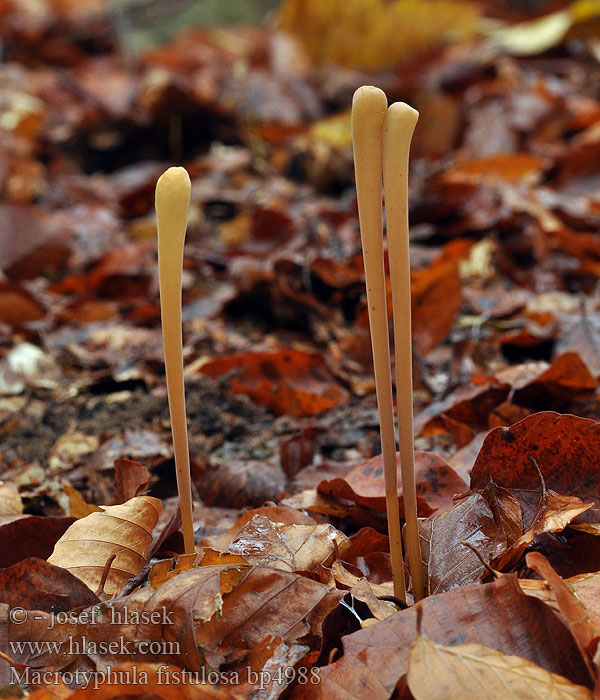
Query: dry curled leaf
[(124, 530)]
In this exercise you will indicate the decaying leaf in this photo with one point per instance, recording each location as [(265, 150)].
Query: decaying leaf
[(565, 448), (365, 485), (37, 585), (123, 530), (209, 615), (571, 609), (23, 536), (131, 478)]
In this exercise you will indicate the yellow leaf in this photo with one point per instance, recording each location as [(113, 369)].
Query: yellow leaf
[(539, 35), (78, 508), (374, 34), (474, 672), (124, 530)]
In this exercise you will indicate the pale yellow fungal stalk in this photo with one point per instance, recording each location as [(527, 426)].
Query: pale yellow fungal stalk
[(368, 113), (398, 129), (172, 203)]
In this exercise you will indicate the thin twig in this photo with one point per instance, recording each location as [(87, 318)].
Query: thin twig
[(136, 581), (100, 592)]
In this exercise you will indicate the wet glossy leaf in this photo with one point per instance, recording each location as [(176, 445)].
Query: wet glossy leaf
[(449, 563)]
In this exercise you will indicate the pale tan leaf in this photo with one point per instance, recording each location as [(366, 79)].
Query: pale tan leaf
[(344, 577), (124, 530), (78, 508), (590, 528), (476, 672)]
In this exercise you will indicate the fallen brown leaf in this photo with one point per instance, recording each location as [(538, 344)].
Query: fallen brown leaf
[(565, 448), (37, 585), (375, 659), (263, 542), (448, 563), (124, 530)]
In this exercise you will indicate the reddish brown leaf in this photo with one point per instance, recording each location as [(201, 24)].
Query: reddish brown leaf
[(510, 167), (286, 381), (565, 448), (449, 563), (574, 613), (436, 484), (37, 585), (30, 536), (131, 479), (436, 300), (470, 405), (18, 306), (298, 451), (537, 384), (553, 514), (506, 511), (370, 553), (236, 484)]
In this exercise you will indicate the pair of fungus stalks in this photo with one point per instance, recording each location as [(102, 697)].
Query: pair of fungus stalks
[(381, 139)]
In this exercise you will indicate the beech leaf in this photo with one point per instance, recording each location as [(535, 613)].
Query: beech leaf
[(473, 671), (124, 530)]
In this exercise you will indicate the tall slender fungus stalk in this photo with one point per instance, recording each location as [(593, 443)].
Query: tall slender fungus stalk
[(398, 128), (172, 203), (368, 113)]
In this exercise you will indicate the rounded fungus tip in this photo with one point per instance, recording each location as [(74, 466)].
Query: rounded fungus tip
[(400, 110)]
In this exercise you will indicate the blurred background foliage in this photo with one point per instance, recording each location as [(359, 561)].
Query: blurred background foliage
[(144, 24), (365, 34)]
